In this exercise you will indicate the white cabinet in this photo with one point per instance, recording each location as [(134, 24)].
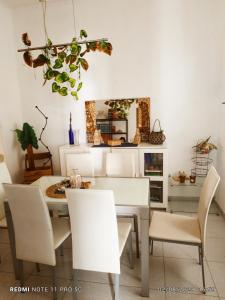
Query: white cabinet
[(151, 161), (154, 164)]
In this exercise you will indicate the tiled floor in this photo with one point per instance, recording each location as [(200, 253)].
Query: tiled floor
[(171, 266)]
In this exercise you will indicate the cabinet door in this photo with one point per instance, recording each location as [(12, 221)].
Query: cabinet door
[(99, 156), (135, 151)]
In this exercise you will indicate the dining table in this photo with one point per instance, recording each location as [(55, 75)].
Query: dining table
[(130, 192)]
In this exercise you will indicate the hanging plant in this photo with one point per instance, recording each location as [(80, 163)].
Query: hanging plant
[(121, 106), (62, 63)]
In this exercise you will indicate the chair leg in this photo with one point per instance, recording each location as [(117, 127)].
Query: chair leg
[(199, 255), (21, 272), (131, 251), (137, 235), (75, 285), (203, 273), (151, 244), (61, 250), (38, 268), (117, 286), (54, 285)]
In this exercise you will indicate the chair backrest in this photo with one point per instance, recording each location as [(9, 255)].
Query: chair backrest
[(94, 230), (81, 161), (4, 178), (120, 164), (32, 224), (207, 193)]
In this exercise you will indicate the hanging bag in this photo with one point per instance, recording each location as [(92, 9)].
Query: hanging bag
[(157, 137)]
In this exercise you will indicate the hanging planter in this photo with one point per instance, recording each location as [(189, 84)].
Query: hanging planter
[(62, 63)]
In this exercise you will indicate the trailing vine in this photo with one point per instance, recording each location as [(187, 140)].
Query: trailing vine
[(62, 64)]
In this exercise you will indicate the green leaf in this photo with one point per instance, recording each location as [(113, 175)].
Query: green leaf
[(73, 67), (72, 82), (58, 63), (27, 136), (49, 74), (74, 94), (49, 43), (55, 87), (79, 86), (83, 33), (63, 91), (62, 77), (74, 48), (62, 55)]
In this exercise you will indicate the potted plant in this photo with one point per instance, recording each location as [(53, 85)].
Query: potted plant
[(120, 108), (28, 140)]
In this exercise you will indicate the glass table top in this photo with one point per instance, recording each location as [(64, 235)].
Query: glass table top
[(127, 191)]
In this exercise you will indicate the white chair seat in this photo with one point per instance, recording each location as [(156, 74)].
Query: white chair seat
[(3, 223), (61, 230), (167, 226), (123, 233)]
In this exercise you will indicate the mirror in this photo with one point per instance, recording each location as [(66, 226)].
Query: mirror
[(118, 118)]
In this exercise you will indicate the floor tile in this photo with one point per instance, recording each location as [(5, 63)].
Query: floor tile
[(215, 228), (97, 291), (183, 273), (158, 249), (215, 249), (176, 296), (180, 251), (218, 275), (41, 288), (7, 281)]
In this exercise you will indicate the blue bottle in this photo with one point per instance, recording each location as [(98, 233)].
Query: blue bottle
[(71, 135)]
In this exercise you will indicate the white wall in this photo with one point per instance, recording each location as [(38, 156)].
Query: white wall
[(170, 50), (10, 110)]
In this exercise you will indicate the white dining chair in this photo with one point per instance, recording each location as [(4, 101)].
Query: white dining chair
[(83, 162), (181, 229), (123, 165), (37, 236), (120, 164), (97, 239), (4, 178)]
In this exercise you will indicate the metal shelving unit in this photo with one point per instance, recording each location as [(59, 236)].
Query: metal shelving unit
[(105, 125)]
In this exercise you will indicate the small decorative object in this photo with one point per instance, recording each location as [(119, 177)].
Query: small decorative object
[(62, 63), (71, 135), (97, 137), (114, 142), (192, 178), (75, 179), (43, 129), (182, 177), (201, 157), (123, 140), (157, 137), (137, 137), (28, 140), (76, 137), (205, 147), (85, 185)]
